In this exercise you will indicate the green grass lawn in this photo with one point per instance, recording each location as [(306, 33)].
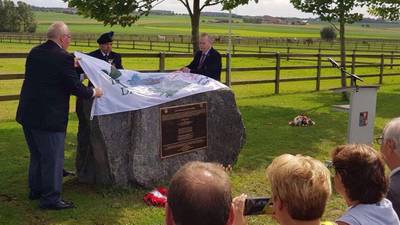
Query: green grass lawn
[(180, 24), (268, 135), (265, 116)]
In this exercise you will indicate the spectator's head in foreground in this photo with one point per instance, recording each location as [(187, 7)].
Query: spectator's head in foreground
[(199, 194), (390, 143), (359, 174), (300, 187), (59, 33)]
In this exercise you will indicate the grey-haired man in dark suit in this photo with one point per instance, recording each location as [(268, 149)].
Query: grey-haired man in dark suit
[(390, 149), (50, 79)]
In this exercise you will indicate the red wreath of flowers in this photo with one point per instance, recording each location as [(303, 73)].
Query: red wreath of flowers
[(157, 197)]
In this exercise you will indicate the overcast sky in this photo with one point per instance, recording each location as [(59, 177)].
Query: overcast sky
[(264, 7)]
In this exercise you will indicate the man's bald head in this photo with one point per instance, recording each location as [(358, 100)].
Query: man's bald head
[(59, 33), (392, 131), (200, 193)]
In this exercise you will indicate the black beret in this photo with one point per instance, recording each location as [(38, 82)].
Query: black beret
[(105, 38)]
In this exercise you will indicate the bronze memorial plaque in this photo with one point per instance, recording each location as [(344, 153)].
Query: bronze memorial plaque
[(183, 129)]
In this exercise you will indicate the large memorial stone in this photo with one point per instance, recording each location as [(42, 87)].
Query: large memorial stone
[(146, 147)]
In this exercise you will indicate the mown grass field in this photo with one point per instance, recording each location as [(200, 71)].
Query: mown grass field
[(265, 116), (268, 135), (180, 24)]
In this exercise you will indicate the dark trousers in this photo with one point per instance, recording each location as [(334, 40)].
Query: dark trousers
[(46, 164)]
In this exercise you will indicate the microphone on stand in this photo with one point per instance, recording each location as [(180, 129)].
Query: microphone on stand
[(336, 65)]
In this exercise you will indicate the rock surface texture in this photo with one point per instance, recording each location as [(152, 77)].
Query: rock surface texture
[(123, 149)]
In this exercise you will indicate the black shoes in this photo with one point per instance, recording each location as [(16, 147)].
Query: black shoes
[(68, 173), (58, 206)]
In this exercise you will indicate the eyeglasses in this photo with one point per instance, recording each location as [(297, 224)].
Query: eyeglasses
[(379, 140), (331, 168)]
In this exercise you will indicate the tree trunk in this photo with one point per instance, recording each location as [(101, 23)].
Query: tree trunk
[(195, 20)]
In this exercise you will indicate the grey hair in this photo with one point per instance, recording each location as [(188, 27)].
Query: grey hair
[(56, 30), (210, 39), (392, 131)]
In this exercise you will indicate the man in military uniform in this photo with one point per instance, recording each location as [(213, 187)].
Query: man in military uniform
[(105, 52), (83, 106)]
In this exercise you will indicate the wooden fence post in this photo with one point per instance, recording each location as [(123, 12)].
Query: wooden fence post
[(151, 45), (169, 46), (353, 66), (162, 62), (259, 49), (391, 60), (319, 63), (117, 43), (277, 72), (381, 69), (228, 73), (88, 42), (233, 49), (133, 44), (288, 52)]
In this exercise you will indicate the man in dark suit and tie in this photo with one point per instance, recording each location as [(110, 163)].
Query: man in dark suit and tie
[(207, 61), (390, 149), (50, 79)]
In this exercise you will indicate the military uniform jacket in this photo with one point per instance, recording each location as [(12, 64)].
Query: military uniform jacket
[(113, 58)]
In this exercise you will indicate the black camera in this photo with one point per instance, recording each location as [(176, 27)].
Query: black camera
[(257, 206)]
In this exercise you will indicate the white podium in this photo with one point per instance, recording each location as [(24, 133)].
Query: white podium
[(361, 112)]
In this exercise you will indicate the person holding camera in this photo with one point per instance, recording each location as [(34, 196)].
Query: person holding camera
[(300, 187)]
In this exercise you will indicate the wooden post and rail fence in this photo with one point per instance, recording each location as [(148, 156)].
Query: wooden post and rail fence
[(178, 46), (277, 68)]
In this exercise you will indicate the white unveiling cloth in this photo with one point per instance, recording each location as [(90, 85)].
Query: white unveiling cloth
[(127, 90)]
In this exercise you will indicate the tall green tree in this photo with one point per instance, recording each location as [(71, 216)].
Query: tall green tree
[(9, 17), (16, 18), (26, 17), (342, 12), (386, 9), (127, 12)]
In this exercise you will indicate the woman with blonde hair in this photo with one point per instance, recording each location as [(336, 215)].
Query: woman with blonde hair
[(300, 187)]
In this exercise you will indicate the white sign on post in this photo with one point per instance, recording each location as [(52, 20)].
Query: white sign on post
[(362, 115), (362, 110)]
